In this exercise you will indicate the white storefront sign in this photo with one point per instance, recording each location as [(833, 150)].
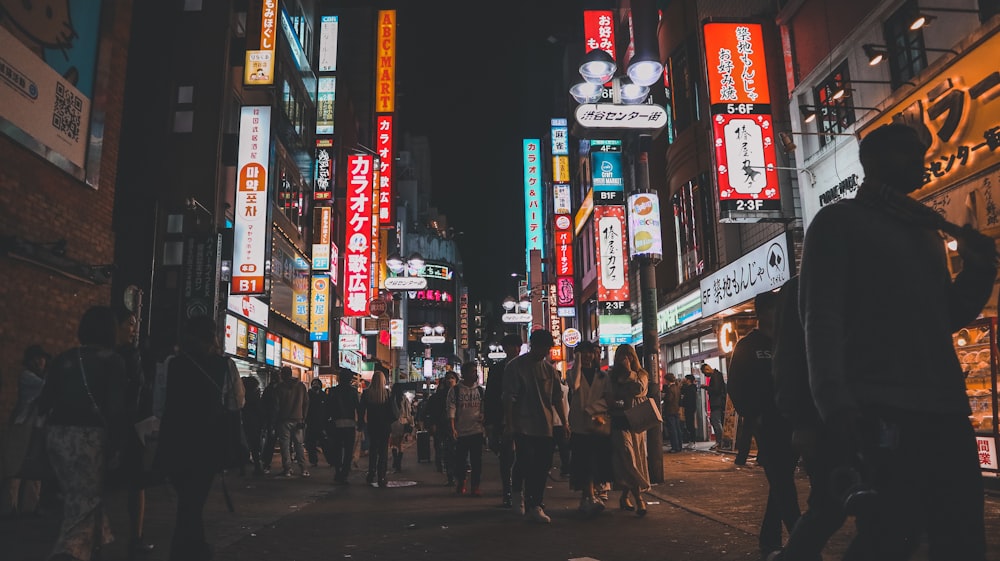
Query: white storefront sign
[(763, 269)]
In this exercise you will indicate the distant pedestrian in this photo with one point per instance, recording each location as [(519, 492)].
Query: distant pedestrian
[(531, 388), (465, 414), (254, 419), (293, 406), (21, 496), (591, 425), (378, 413), (402, 426), (501, 443), (751, 388), (436, 419), (672, 412), (315, 422), (342, 411), (201, 384), (689, 403), (269, 403), (716, 388), (560, 434), (83, 399), (628, 381)]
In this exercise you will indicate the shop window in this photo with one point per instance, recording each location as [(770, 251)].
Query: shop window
[(676, 354), (907, 56), (834, 113), (686, 349), (683, 67), (708, 342), (693, 226)]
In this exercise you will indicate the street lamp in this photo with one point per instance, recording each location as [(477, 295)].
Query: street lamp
[(407, 279)]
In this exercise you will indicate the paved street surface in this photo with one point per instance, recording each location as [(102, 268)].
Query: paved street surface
[(706, 509)]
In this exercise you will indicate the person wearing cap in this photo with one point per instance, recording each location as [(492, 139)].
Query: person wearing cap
[(22, 494), (531, 388)]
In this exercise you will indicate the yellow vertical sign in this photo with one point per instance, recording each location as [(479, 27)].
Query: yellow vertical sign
[(385, 82)]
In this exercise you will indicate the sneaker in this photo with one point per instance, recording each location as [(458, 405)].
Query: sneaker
[(305, 473), (476, 492), (460, 488), (286, 473), (538, 515)]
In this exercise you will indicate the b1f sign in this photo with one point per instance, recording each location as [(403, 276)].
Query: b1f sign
[(250, 228)]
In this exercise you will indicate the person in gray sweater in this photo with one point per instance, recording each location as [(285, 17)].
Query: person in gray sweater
[(878, 306)]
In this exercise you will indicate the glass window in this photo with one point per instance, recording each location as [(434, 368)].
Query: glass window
[(906, 47), (709, 342), (676, 354), (686, 349), (834, 109)]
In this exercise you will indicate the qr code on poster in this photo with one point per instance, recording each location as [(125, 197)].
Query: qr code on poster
[(67, 111)]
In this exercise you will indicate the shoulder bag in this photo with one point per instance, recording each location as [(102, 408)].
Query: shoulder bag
[(643, 415), (235, 449)]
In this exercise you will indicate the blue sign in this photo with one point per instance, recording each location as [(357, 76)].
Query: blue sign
[(606, 168)]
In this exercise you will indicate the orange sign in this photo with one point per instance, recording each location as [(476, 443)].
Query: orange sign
[(258, 68), (737, 72), (958, 113), (385, 82)]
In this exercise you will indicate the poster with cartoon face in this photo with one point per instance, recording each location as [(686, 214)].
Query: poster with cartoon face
[(48, 52)]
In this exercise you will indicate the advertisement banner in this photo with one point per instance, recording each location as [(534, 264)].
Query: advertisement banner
[(323, 181), (358, 233), (329, 30), (259, 64), (241, 338), (273, 354), (606, 170), (644, 225), (396, 333), (762, 269), (609, 245), (250, 228), (383, 145), (737, 72), (249, 307), (599, 31), (326, 99), (229, 339), (385, 78), (319, 312), (534, 233)]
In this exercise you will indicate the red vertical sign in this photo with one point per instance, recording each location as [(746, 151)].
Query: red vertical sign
[(358, 233)]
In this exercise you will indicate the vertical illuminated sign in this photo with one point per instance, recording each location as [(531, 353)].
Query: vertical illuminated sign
[(319, 311), (323, 183), (321, 238), (358, 232), (599, 31), (326, 98), (250, 227), (555, 325), (329, 30), (376, 240), (742, 127), (644, 225), (534, 233), (612, 265), (385, 79), (383, 145), (259, 64)]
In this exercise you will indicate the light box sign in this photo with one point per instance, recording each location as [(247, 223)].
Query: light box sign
[(746, 163), (323, 182), (644, 225), (565, 292), (253, 309), (229, 339), (737, 73), (599, 31), (560, 137), (349, 342), (358, 233), (680, 312), (534, 232), (612, 266), (259, 63), (298, 355), (606, 167), (326, 100), (987, 448), (763, 269), (955, 111), (250, 228), (334, 263), (241, 338), (614, 329), (383, 145), (397, 330), (563, 238), (47, 77), (272, 355), (319, 312), (329, 30), (561, 199), (252, 334), (321, 238), (385, 80)]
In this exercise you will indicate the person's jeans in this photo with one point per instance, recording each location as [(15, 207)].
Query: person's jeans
[(744, 437), (289, 435), (342, 451), (503, 446), (267, 451), (469, 448), (692, 435), (314, 434), (717, 416), (673, 424), (378, 453), (533, 458)]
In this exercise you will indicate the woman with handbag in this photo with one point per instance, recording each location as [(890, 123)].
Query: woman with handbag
[(627, 386), (202, 387), (588, 418), (84, 405), (378, 411)]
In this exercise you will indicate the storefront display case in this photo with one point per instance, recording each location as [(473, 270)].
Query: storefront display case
[(976, 347)]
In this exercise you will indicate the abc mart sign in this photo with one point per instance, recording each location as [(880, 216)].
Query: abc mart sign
[(608, 116)]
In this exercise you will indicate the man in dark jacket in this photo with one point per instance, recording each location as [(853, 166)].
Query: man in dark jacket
[(342, 413), (716, 389), (293, 405), (315, 421), (493, 411), (751, 388), (689, 402), (437, 423), (269, 405), (672, 412)]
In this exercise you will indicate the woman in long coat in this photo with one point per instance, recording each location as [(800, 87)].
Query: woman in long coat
[(628, 381), (378, 413)]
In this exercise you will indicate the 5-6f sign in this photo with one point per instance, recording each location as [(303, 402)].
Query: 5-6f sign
[(250, 228)]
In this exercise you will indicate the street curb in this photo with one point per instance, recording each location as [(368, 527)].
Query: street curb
[(705, 514)]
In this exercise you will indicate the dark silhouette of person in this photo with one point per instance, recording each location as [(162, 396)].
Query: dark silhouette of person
[(894, 394), (493, 418)]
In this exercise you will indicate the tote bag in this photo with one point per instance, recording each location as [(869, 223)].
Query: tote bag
[(643, 415)]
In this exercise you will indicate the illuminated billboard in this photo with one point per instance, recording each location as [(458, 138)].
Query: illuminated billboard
[(534, 232), (383, 145), (250, 227), (358, 234), (385, 78)]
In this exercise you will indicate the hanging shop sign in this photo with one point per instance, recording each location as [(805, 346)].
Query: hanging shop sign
[(358, 235), (229, 338), (329, 31), (606, 171), (624, 118), (272, 354), (250, 228), (326, 99), (319, 311), (571, 337), (323, 180), (322, 216), (397, 332), (609, 245), (740, 106), (957, 113), (534, 233), (560, 137), (383, 145), (644, 234), (251, 308), (259, 63), (599, 31), (385, 78), (763, 269)]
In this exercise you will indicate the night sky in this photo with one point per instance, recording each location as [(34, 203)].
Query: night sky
[(476, 82)]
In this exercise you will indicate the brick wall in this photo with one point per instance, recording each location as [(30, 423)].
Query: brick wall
[(41, 203)]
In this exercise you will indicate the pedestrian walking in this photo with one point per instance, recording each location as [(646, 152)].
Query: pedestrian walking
[(293, 406), (269, 400), (378, 412), (893, 395), (83, 401), (342, 412), (628, 381), (716, 389), (402, 426), (689, 403), (500, 441), (531, 388), (560, 434), (22, 495), (672, 412), (751, 388), (436, 419), (254, 420), (465, 414), (315, 432), (591, 428), (201, 385)]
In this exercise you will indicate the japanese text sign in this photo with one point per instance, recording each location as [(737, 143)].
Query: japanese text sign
[(358, 233), (329, 30), (763, 269), (385, 80), (250, 227), (612, 265), (737, 72), (599, 31), (383, 145), (259, 63), (746, 162), (987, 448), (319, 311), (534, 233), (957, 112), (323, 184)]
